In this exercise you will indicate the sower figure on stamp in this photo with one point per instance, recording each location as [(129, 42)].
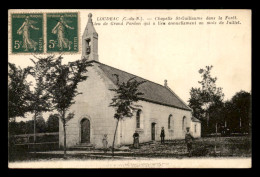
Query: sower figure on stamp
[(24, 30), (59, 29), (136, 140), (162, 135), (188, 140), (104, 141)]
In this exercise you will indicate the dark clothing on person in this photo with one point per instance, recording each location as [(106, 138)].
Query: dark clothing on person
[(162, 136), (189, 147), (189, 139), (162, 140), (136, 140)]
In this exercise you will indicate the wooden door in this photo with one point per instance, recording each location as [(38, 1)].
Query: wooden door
[(85, 131), (153, 131)]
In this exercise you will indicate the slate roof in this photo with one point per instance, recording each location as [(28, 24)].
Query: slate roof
[(194, 119), (153, 92)]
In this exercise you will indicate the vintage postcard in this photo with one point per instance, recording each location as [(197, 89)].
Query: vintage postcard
[(129, 88)]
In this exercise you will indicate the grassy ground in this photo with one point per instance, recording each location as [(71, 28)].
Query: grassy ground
[(202, 147)]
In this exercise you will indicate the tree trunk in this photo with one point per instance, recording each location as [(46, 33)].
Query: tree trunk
[(207, 129), (114, 138), (216, 137), (34, 131), (64, 132), (240, 125), (64, 145)]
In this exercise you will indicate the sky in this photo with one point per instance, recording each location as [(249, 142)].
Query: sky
[(171, 52)]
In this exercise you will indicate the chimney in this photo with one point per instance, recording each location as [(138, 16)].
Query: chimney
[(165, 83)]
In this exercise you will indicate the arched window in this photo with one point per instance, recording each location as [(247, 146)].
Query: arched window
[(195, 128), (169, 121), (138, 115), (184, 123)]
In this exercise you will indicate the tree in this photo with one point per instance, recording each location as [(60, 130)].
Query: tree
[(21, 128), (123, 101), (18, 91), (196, 102), (40, 124), (29, 127), (39, 97), (228, 113), (241, 110), (14, 128), (208, 95), (53, 123), (63, 80), (217, 117)]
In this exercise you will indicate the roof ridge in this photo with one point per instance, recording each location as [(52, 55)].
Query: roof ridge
[(177, 96)]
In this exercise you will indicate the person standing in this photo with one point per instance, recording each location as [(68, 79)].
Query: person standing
[(104, 142), (189, 140), (136, 140), (162, 135)]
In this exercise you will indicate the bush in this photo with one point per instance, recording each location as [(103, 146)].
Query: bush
[(200, 150)]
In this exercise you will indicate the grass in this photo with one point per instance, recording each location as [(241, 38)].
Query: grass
[(202, 147)]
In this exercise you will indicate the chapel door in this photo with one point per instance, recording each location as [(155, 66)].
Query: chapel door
[(153, 131), (85, 131)]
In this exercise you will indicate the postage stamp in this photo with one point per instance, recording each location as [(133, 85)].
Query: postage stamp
[(27, 33), (62, 32)]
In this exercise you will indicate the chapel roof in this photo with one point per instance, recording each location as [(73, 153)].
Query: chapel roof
[(153, 92)]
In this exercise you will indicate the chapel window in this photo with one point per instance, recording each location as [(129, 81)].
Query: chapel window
[(184, 123), (138, 114), (169, 121)]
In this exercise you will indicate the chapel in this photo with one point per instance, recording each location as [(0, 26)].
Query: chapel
[(94, 118)]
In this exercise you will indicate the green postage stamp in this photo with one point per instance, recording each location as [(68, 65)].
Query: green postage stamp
[(27, 33), (62, 32)]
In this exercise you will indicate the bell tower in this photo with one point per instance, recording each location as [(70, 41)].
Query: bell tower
[(90, 41)]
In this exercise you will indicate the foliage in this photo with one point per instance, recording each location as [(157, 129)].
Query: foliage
[(40, 98), (17, 128), (126, 94), (196, 103), (53, 123), (18, 91), (62, 81), (207, 101), (240, 105), (40, 124), (208, 106), (55, 88)]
